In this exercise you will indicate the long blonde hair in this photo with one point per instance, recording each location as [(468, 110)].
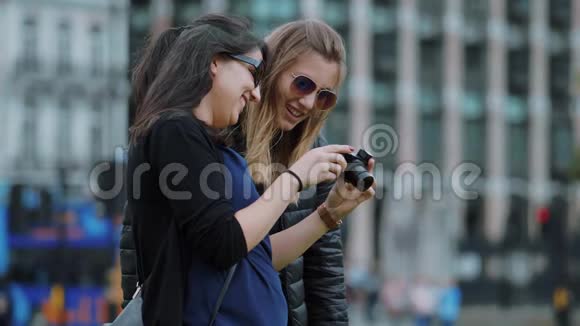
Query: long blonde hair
[(266, 144)]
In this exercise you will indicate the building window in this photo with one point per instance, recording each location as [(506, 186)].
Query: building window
[(384, 17), (561, 140), (518, 11), (64, 131), (97, 53), (30, 44), (430, 101), (64, 47), (97, 131), (139, 25), (384, 147), (431, 72), (266, 15), (30, 132), (517, 137), (474, 134), (384, 96), (560, 69), (518, 70), (336, 14), (475, 61), (335, 130), (185, 11), (430, 127), (560, 13), (385, 56), (430, 18), (475, 21)]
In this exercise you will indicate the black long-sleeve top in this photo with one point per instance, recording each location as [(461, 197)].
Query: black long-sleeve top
[(179, 209)]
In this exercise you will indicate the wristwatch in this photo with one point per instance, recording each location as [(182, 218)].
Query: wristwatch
[(325, 216)]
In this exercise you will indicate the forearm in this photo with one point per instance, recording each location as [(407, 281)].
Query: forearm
[(291, 243), (257, 219)]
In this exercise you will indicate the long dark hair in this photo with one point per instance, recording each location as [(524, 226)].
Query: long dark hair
[(173, 73)]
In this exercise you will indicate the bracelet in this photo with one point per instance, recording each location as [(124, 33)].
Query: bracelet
[(326, 218), (300, 185)]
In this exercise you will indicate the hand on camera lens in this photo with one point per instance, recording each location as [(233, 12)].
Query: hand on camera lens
[(321, 164)]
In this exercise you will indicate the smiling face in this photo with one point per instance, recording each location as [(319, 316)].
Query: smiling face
[(294, 108), (233, 87)]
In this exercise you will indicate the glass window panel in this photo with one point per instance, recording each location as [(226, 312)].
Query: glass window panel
[(518, 10), (29, 131), (560, 69), (474, 142), (384, 19), (430, 133), (64, 48), (431, 63), (335, 12), (30, 43), (97, 55), (335, 130), (383, 96), (430, 100), (473, 105), (385, 55), (240, 7), (475, 61), (562, 142), (516, 109), (388, 160), (185, 12), (517, 150), (560, 13), (140, 17), (65, 120)]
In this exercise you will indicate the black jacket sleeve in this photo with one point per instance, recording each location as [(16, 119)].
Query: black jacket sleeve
[(193, 181), (128, 258), (325, 291)]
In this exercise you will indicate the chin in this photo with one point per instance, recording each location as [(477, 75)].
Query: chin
[(285, 125)]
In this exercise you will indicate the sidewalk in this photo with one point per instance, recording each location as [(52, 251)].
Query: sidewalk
[(475, 316)]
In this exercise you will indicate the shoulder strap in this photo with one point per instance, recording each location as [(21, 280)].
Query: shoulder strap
[(222, 294)]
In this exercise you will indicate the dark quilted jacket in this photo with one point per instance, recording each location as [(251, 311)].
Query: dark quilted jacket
[(313, 284)]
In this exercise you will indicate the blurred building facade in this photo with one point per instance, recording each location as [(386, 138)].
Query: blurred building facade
[(64, 89)]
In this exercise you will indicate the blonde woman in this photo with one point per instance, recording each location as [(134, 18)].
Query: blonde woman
[(306, 67)]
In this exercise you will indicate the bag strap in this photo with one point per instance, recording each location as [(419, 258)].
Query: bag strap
[(222, 294)]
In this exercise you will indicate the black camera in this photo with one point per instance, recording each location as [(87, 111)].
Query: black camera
[(356, 172)]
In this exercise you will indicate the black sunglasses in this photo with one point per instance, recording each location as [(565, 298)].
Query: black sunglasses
[(302, 86), (257, 64)]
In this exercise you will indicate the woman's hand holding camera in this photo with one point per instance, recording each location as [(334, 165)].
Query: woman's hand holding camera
[(321, 164), (344, 197)]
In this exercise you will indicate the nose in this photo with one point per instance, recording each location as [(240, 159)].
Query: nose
[(308, 101), (255, 95)]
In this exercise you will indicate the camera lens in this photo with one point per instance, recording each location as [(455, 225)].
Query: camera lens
[(357, 175)]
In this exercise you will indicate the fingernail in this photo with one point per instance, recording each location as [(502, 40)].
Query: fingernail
[(351, 148)]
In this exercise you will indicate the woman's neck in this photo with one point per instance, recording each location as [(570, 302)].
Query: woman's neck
[(203, 111)]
